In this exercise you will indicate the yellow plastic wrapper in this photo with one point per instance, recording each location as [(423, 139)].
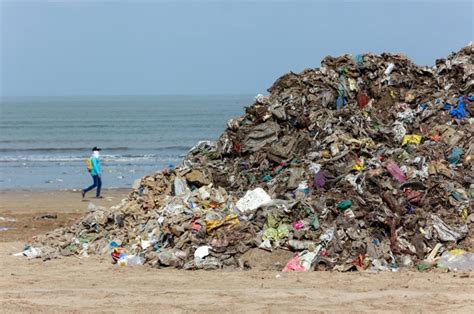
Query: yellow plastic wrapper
[(412, 139), (214, 224), (359, 165)]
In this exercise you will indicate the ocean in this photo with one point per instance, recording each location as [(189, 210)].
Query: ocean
[(44, 142)]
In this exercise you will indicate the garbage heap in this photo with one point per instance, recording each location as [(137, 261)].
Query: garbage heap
[(364, 162)]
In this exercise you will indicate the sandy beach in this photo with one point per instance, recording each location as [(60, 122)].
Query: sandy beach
[(94, 284), (28, 213)]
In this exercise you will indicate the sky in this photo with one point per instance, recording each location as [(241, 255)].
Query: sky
[(72, 48)]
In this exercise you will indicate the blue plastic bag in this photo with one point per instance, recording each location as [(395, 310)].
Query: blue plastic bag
[(455, 155), (340, 102), (460, 111)]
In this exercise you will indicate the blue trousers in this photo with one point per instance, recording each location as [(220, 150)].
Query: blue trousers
[(97, 183)]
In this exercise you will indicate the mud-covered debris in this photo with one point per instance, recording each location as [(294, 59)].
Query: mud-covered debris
[(363, 163)]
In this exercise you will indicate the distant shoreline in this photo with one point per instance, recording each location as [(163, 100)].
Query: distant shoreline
[(138, 136)]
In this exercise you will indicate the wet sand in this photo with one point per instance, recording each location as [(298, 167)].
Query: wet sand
[(93, 284)]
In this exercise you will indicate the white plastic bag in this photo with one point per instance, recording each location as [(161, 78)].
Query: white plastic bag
[(252, 200), (180, 186)]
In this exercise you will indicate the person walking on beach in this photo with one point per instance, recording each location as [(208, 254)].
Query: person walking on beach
[(93, 165)]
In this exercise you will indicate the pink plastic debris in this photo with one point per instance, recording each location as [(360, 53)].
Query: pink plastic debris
[(395, 171), (297, 225), (294, 265)]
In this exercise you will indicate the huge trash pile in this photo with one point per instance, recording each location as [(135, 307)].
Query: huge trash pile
[(364, 162)]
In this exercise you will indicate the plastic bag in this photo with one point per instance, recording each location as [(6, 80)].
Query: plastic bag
[(447, 233), (180, 186), (30, 252), (412, 139), (294, 264), (457, 260), (395, 171), (253, 200), (455, 155), (134, 260)]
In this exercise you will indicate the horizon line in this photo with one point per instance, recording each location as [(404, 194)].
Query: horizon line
[(127, 95)]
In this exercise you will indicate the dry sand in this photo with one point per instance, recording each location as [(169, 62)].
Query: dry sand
[(95, 285), (26, 207)]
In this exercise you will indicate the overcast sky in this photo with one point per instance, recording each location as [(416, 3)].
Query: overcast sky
[(57, 48)]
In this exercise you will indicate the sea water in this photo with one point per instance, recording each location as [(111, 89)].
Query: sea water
[(44, 142)]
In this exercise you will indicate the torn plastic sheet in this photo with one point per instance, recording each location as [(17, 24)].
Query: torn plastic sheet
[(447, 233)]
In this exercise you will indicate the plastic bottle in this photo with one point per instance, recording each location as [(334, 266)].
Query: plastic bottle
[(389, 69)]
